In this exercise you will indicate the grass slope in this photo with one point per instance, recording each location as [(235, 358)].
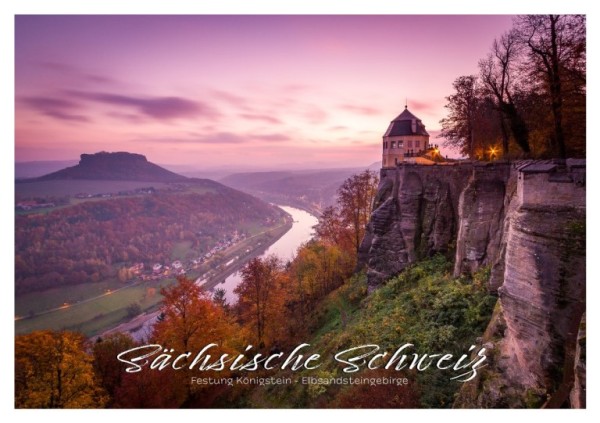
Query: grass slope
[(424, 306)]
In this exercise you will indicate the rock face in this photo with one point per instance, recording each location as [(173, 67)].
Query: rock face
[(481, 217), (415, 215), (525, 220)]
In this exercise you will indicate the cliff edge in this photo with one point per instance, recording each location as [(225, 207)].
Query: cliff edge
[(526, 221)]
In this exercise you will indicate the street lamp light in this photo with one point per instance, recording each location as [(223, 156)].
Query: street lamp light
[(492, 153)]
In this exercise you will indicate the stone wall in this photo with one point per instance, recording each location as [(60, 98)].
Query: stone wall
[(550, 184)]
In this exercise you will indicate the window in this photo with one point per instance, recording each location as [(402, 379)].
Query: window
[(409, 144), (393, 144), (417, 144), (400, 144)]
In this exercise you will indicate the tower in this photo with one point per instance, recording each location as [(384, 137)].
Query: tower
[(405, 137)]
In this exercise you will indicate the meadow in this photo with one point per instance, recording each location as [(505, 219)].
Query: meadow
[(94, 316)]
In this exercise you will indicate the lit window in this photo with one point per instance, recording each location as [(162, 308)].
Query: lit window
[(393, 144), (400, 143)]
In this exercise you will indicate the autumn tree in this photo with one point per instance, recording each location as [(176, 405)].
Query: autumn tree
[(151, 389), (556, 58), (351, 214), (260, 298), (191, 320), (333, 230), (499, 80), (535, 78), (318, 269), (473, 123), (458, 128), (52, 370), (355, 200), (220, 298), (107, 368)]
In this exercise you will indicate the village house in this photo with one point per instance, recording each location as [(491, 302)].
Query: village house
[(137, 268)]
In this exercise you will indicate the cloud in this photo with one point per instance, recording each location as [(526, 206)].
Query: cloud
[(229, 98), (220, 138), (130, 117), (420, 105), (73, 71), (362, 110), (217, 138), (99, 78), (56, 66), (271, 137), (314, 114), (56, 108), (214, 138), (310, 112), (296, 88), (160, 108), (261, 117)]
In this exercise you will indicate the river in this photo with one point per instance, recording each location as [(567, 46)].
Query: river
[(285, 247)]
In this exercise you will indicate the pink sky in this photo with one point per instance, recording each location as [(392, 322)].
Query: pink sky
[(236, 91)]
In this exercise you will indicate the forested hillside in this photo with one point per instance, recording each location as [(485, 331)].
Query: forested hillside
[(83, 243)]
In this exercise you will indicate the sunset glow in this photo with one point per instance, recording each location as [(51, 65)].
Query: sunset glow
[(261, 92)]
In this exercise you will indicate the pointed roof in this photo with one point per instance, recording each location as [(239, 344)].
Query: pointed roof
[(402, 125), (405, 115)]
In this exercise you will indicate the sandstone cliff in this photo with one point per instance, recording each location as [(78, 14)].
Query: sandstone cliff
[(526, 221)]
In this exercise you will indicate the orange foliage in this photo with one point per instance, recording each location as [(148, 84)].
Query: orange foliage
[(52, 370), (262, 298)]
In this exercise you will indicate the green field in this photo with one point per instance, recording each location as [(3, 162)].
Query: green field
[(93, 317), (51, 298), (183, 250)]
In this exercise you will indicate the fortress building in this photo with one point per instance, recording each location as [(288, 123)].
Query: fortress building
[(404, 139)]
